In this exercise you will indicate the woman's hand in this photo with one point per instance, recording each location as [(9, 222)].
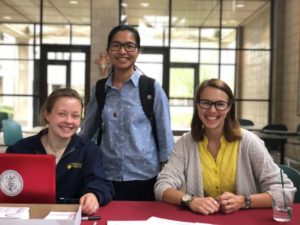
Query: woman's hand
[(205, 205), (230, 202), (89, 203)]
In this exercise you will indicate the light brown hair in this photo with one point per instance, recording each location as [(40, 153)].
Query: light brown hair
[(52, 99), (232, 129)]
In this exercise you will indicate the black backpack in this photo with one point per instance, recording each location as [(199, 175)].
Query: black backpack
[(146, 85)]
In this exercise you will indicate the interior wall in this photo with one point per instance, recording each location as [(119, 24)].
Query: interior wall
[(255, 64), (286, 71), (278, 61), (104, 16), (291, 73)]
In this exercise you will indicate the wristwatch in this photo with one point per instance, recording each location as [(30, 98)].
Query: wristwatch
[(186, 201), (247, 201)]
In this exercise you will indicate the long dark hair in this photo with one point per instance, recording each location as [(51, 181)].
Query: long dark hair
[(232, 129), (124, 27)]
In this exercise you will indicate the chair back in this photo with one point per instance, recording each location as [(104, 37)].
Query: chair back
[(12, 131), (294, 176), (3, 116), (298, 129), (275, 126), (246, 122), (274, 144)]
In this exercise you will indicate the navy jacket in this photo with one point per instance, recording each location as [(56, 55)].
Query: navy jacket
[(78, 172)]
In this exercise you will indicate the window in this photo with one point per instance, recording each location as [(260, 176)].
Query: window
[(209, 39)]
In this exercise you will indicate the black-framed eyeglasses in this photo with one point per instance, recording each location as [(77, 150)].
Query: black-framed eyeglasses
[(219, 105), (128, 46)]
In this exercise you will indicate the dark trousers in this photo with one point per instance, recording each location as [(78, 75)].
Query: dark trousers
[(137, 190)]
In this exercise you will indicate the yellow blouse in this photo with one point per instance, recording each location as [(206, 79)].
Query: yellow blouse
[(219, 175)]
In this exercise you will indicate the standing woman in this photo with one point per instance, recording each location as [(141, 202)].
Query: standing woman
[(79, 171), (218, 166), (130, 156)]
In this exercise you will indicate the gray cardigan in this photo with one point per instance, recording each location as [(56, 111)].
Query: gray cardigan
[(256, 170)]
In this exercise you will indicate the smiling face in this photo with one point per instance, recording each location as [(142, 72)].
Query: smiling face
[(64, 118), (122, 59), (211, 117)]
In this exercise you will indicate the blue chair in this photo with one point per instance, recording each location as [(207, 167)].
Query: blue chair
[(294, 176), (12, 131)]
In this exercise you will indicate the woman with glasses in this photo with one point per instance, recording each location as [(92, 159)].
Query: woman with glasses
[(218, 166), (130, 155)]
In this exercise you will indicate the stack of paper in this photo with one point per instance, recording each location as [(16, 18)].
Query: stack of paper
[(61, 215), (154, 221), (14, 212)]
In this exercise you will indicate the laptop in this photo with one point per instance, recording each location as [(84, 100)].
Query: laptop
[(27, 178)]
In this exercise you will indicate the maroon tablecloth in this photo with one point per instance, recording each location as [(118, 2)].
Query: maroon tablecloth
[(135, 210)]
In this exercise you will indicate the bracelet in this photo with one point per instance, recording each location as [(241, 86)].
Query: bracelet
[(247, 201)]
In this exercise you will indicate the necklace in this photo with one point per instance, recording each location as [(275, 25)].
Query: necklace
[(57, 153)]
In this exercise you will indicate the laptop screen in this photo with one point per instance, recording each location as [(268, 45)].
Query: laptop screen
[(27, 178)]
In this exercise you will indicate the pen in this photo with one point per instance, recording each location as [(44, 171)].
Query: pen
[(90, 218), (69, 200)]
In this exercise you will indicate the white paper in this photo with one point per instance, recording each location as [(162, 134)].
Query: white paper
[(14, 212), (53, 215), (156, 220)]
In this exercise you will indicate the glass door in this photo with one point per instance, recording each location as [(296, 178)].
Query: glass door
[(64, 66), (154, 62), (58, 75), (183, 81)]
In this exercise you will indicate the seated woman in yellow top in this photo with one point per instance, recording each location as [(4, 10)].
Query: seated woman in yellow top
[(218, 166)]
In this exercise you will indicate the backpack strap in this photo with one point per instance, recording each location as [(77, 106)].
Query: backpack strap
[(146, 86), (100, 96)]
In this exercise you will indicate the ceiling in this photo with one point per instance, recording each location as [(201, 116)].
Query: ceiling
[(152, 13), (194, 12), (55, 11)]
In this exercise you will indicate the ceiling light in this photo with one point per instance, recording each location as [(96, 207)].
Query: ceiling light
[(73, 2), (124, 4), (233, 22), (240, 5), (144, 4), (7, 17), (237, 4)]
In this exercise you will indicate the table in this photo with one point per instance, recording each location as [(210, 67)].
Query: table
[(282, 140), (281, 132), (252, 128), (142, 210), (295, 142)]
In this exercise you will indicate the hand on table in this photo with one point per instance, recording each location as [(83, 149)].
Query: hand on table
[(89, 203), (205, 205), (230, 202)]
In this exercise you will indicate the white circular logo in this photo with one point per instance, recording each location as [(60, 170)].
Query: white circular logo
[(11, 183)]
